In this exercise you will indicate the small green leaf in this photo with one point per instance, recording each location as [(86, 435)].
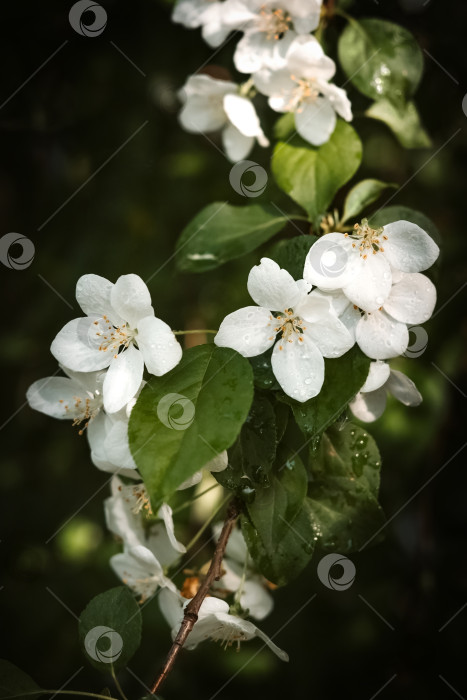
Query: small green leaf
[(262, 371), (184, 418), (343, 378), (312, 176), (285, 127), (290, 254), (279, 528), (405, 123), (15, 683), (343, 491), (110, 629), (222, 232), (397, 213), (362, 195), (381, 59), (254, 451)]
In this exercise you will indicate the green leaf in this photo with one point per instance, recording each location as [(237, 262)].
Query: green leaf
[(279, 528), (404, 122), (262, 370), (343, 492), (15, 683), (312, 176), (343, 378), (397, 213), (110, 629), (285, 126), (184, 418), (222, 232), (290, 254), (381, 59), (254, 451), (362, 195)]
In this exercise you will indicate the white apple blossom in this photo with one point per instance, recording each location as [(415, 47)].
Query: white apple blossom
[(384, 333), (270, 27), (370, 402), (365, 263), (121, 332), (211, 105), (108, 440), (148, 550), (308, 327), (207, 14), (214, 622), (241, 578), (302, 87)]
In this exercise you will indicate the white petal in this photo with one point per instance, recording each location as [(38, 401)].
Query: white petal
[(272, 287), (120, 518), (381, 337), (249, 331), (192, 481), (370, 406), (408, 247), (328, 265), (55, 396), (256, 50), (306, 59), (131, 299), (159, 543), (140, 570), (236, 145), (277, 85), (412, 300), (123, 379), (403, 389), (256, 599), (377, 376), (330, 336), (350, 319), (242, 114), (371, 282), (159, 346), (171, 605), (116, 445), (165, 514), (214, 32), (218, 463), (298, 367), (93, 295), (338, 99), (75, 346), (316, 120)]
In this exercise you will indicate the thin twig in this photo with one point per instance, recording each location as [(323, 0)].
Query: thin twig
[(192, 609)]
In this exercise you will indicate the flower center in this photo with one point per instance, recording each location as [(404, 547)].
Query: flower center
[(290, 326), (113, 338), (83, 409), (274, 22), (138, 499), (367, 239), (305, 91)]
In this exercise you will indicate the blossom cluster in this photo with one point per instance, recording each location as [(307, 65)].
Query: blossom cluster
[(284, 60), (367, 290)]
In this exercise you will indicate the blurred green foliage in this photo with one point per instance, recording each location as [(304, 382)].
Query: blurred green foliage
[(89, 208)]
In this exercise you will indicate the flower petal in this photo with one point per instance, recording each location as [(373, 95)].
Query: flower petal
[(272, 287), (123, 379), (242, 114), (140, 570), (316, 121), (412, 300), (381, 337), (306, 59), (377, 376), (159, 346), (329, 263), (236, 145), (120, 518), (131, 299), (249, 331), (117, 447), (298, 367), (75, 346), (403, 389), (330, 336), (370, 406), (93, 295), (408, 247), (165, 514), (55, 396), (371, 282)]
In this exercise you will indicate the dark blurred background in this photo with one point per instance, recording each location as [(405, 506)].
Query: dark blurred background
[(62, 122)]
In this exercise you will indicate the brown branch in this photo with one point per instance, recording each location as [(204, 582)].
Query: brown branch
[(192, 609)]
